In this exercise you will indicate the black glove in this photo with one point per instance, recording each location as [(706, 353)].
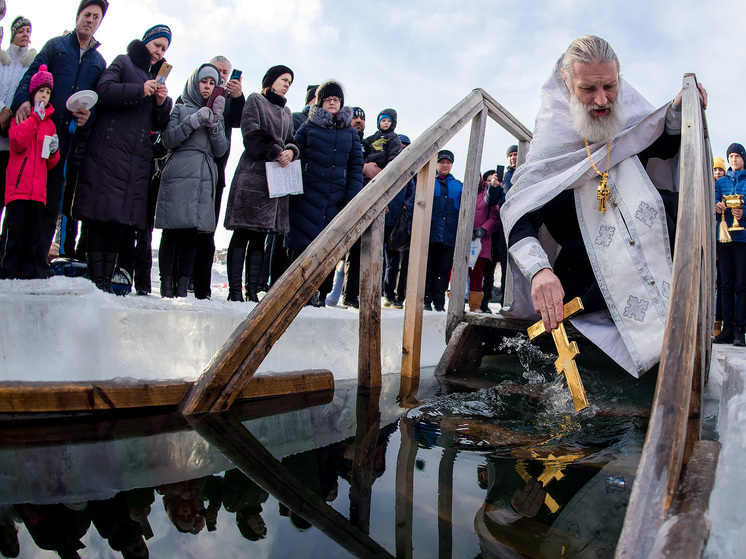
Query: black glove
[(478, 233)]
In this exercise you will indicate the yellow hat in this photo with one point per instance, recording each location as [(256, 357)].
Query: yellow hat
[(719, 164)]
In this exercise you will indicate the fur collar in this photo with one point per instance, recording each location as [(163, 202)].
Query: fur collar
[(325, 119), (28, 57), (139, 54)]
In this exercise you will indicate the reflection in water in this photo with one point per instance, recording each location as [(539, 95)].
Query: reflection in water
[(506, 471)]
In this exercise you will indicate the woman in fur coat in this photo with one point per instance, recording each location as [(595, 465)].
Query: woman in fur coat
[(267, 129)]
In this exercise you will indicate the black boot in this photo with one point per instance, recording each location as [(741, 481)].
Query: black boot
[(182, 287), (95, 262), (234, 261), (254, 264), (167, 287), (725, 336), (738, 338), (110, 264)]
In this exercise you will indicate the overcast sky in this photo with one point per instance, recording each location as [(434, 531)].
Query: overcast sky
[(423, 56)]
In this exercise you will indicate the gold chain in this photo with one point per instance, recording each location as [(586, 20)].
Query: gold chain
[(603, 188)]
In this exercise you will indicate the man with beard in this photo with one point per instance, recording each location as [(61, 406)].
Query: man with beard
[(600, 176), (358, 121)]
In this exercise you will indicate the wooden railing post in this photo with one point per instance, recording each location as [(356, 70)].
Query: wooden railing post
[(369, 348), (472, 177), (417, 271)]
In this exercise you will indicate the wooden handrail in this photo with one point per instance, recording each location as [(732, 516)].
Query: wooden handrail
[(665, 447), (238, 359)]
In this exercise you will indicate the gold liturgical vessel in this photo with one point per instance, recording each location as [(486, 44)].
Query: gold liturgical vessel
[(567, 351), (733, 202)]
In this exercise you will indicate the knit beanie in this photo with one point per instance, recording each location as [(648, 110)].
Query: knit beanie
[(330, 89), (445, 154), (208, 71), (736, 148), (103, 4), (357, 111), (719, 163), (275, 72), (310, 93), (155, 32), (404, 139), (382, 116), (512, 149), (43, 78), (18, 22)]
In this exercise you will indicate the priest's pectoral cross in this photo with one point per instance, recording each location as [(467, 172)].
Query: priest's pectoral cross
[(603, 192), (567, 351)]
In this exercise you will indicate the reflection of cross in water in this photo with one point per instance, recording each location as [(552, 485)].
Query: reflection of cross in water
[(553, 469)]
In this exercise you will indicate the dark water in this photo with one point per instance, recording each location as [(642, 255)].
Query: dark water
[(458, 473)]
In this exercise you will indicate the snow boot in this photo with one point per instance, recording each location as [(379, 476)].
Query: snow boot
[(726, 336), (234, 268), (254, 265), (475, 300), (717, 328), (182, 287), (167, 287), (110, 264), (95, 262), (738, 338)]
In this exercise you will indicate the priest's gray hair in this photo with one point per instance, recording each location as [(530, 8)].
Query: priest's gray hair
[(588, 49)]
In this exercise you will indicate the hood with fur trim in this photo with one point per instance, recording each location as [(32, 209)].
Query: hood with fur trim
[(324, 119), (6, 56)]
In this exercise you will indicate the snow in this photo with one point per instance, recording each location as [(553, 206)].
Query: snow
[(64, 329)]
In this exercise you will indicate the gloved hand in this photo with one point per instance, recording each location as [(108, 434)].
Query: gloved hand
[(218, 106), (39, 109), (200, 117), (54, 145), (478, 233)]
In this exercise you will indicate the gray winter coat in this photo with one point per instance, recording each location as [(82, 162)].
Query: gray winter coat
[(187, 191), (267, 129)]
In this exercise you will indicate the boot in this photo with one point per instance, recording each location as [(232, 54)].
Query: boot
[(475, 300), (726, 336), (738, 339), (255, 261), (95, 262), (110, 264), (485, 306), (182, 287), (718, 327), (167, 287), (234, 262)]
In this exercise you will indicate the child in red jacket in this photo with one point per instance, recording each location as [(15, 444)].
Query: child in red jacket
[(33, 151)]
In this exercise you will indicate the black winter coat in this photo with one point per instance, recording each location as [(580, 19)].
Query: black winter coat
[(115, 175), (332, 162)]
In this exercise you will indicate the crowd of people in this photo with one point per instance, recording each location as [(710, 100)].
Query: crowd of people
[(100, 178)]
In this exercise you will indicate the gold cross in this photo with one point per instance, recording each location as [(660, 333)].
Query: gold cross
[(567, 351), (603, 192)]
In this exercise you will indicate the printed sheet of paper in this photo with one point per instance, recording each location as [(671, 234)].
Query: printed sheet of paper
[(284, 180)]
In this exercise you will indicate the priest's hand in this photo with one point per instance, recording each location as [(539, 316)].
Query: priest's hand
[(547, 295)]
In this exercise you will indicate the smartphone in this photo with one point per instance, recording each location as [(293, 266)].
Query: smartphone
[(500, 172), (235, 75), (163, 73), (217, 92)]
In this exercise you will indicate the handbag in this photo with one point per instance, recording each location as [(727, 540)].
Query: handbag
[(401, 233), (474, 250)]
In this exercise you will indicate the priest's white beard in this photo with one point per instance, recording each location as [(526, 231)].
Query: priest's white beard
[(596, 129)]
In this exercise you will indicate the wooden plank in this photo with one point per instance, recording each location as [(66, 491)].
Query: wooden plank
[(369, 348), (456, 344), (467, 209), (660, 464), (522, 153), (362, 475), (417, 270), (404, 495), (238, 445), (61, 397), (245, 349)]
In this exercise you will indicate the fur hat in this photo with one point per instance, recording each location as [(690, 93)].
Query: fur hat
[(18, 22), (445, 154), (103, 4), (736, 148), (330, 89), (511, 149), (275, 72), (155, 32), (719, 163), (43, 78)]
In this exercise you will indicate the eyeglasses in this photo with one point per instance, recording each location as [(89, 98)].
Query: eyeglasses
[(333, 99)]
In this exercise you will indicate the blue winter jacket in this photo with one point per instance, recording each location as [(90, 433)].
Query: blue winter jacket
[(405, 197), (70, 73), (734, 182), (332, 163), (446, 204)]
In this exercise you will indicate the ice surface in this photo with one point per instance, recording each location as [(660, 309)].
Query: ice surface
[(64, 329)]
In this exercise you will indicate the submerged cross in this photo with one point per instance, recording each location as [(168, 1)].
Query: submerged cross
[(567, 351)]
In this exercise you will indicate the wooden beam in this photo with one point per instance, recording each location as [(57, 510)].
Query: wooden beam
[(362, 475), (237, 360), (369, 348), (467, 209), (417, 270), (110, 396), (404, 496)]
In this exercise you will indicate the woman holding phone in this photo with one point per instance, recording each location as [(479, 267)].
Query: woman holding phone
[(267, 129), (112, 191)]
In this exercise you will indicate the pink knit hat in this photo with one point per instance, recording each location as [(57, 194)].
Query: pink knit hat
[(42, 78)]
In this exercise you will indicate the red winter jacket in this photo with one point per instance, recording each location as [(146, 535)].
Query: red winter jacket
[(26, 177)]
